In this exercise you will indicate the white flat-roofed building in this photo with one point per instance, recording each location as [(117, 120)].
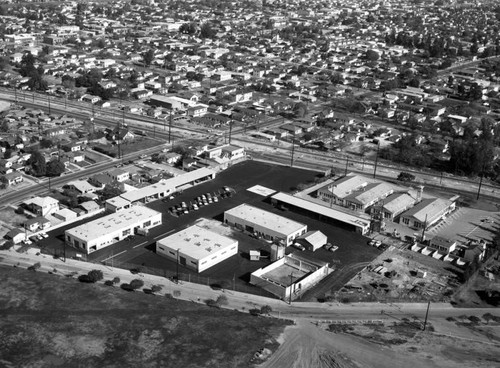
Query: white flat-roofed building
[(197, 248), (100, 233), (263, 223), (290, 276)]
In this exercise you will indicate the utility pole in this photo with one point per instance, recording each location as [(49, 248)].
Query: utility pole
[(293, 147), (426, 315), (177, 266), (346, 164), (230, 130), (170, 127), (376, 161), (48, 99), (480, 184), (423, 230), (291, 287)]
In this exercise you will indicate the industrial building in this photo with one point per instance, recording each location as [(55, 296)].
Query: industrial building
[(107, 230), (427, 213), (357, 223), (264, 224), (290, 276), (197, 248), (159, 190)]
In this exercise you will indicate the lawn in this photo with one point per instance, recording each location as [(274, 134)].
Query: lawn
[(48, 321)]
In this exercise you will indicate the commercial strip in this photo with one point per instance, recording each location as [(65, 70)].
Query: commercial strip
[(264, 224), (112, 228), (290, 276), (159, 190), (197, 248), (359, 224)]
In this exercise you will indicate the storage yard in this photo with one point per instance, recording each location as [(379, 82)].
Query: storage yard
[(401, 275)]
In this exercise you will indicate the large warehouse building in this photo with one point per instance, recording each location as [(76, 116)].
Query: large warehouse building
[(197, 248), (100, 233), (265, 224)]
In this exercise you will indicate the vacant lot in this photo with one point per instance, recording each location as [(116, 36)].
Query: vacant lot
[(49, 321)]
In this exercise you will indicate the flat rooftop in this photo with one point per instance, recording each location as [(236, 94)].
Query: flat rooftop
[(265, 219), (197, 242), (322, 210), (284, 275), (113, 222)]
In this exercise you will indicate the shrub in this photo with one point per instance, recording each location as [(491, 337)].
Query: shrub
[(169, 296), (116, 280), (177, 293), (254, 311), (35, 267), (474, 319), (136, 284), (450, 319), (85, 278), (19, 210), (266, 309), (222, 300), (95, 275), (156, 288), (212, 303), (109, 283), (126, 287)]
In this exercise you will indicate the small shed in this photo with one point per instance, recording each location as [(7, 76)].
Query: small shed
[(255, 255), (65, 214), (313, 240)]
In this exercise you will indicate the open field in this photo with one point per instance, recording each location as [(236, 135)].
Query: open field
[(49, 321)]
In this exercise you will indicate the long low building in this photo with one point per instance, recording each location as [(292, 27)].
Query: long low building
[(197, 248), (265, 224), (359, 224), (159, 190), (107, 230)]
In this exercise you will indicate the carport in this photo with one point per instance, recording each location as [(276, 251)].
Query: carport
[(327, 214)]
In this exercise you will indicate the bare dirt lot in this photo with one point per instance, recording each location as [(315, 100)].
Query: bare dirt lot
[(385, 346)]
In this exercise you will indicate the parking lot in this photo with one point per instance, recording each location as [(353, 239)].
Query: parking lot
[(235, 272)]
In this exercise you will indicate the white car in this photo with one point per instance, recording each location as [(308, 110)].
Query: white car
[(298, 246)]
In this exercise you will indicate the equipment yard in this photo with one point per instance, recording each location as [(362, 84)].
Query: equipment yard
[(398, 275)]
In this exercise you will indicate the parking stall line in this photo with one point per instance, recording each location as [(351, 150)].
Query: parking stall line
[(162, 235), (138, 245)]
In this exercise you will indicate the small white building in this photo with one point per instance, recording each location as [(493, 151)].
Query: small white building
[(197, 248), (265, 224), (100, 233), (290, 276), (42, 206)]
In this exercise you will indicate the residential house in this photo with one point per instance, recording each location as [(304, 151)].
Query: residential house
[(14, 178), (16, 235), (118, 175), (80, 186), (42, 206)]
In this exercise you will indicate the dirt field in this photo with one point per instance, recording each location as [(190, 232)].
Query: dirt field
[(390, 346), (398, 275), (49, 321)]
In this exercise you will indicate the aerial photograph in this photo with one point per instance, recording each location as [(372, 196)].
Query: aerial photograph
[(250, 184)]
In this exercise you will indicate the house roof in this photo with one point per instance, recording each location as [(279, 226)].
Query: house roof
[(428, 209), (42, 201), (369, 193), (398, 202)]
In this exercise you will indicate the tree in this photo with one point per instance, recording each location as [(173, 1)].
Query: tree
[(136, 284), (37, 163), (95, 275), (4, 126), (405, 176), (46, 143), (207, 31), (372, 55), (4, 182), (148, 57), (55, 168)]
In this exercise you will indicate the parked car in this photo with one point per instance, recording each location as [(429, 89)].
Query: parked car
[(298, 246)]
